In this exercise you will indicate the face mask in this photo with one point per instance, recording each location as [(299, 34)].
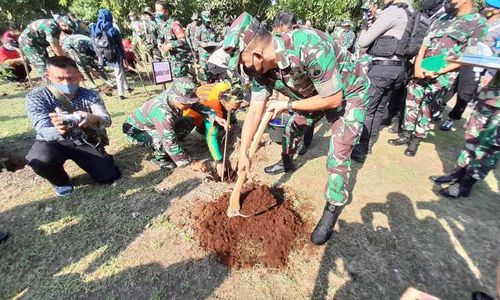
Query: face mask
[(159, 16), (9, 47), (67, 89)]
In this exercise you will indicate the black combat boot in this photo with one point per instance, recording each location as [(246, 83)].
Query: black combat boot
[(403, 139), (358, 153), (324, 228), (462, 188), (452, 178), (302, 149), (412, 148), (284, 165)]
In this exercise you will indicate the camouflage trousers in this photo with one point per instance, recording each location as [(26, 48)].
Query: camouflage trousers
[(37, 57), (88, 64), (421, 96), (295, 129), (346, 131), (204, 64), (180, 64), (154, 141), (482, 141)]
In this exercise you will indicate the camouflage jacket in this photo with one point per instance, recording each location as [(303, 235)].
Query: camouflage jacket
[(310, 63), (191, 32), (41, 33), (490, 94), (167, 33), (450, 35), (80, 43), (161, 115), (344, 38), (205, 34), (147, 34)]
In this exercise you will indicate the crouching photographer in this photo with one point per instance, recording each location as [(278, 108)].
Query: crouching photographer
[(70, 123)]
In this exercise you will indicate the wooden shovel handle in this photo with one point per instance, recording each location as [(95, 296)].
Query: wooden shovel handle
[(234, 201)]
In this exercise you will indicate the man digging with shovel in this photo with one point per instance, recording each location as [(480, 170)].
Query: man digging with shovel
[(320, 78)]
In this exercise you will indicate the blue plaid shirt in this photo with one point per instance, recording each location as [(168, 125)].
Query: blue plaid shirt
[(40, 102)]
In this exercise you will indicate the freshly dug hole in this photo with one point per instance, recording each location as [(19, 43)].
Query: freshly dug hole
[(266, 237)]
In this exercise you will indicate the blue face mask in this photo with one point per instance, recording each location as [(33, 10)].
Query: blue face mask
[(67, 89)]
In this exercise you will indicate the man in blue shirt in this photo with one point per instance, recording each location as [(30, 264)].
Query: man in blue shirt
[(70, 123)]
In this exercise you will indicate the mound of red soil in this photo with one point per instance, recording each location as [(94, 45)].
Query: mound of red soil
[(266, 237)]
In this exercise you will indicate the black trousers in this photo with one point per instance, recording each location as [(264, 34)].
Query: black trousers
[(466, 88), (47, 160), (384, 80)]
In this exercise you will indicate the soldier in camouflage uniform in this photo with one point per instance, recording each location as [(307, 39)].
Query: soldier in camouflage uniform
[(344, 36), (159, 124), (39, 35), (205, 38), (148, 37), (81, 49), (448, 37), (172, 40), (320, 77), (482, 130), (192, 30)]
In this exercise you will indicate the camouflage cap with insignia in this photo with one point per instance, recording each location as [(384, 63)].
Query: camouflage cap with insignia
[(240, 34), (183, 90)]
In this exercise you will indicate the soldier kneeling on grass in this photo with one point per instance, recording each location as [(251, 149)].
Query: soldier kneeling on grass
[(70, 123), (159, 125)]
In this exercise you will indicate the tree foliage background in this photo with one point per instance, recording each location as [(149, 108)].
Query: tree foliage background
[(18, 13)]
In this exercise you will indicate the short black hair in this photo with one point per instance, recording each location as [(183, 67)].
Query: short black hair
[(62, 62), (285, 18), (165, 5)]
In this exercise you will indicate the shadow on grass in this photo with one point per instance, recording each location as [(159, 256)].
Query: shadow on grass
[(384, 257), (51, 234)]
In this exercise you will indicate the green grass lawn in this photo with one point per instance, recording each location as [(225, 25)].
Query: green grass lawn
[(133, 239)]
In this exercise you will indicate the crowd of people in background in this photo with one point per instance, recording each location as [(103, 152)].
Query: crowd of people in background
[(399, 69)]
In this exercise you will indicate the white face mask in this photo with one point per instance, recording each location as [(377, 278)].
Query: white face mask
[(9, 47)]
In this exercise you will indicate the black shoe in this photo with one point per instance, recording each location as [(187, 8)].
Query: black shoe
[(302, 149), (412, 148), (462, 188), (283, 166), (481, 296), (447, 125), (164, 164), (358, 154), (123, 98), (404, 139), (130, 90), (4, 236), (451, 178), (324, 229)]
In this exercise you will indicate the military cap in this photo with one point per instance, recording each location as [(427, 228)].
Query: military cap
[(65, 20), (148, 10), (205, 16), (240, 34), (194, 16), (346, 23), (183, 90)]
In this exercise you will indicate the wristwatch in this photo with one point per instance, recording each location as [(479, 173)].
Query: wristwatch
[(289, 105)]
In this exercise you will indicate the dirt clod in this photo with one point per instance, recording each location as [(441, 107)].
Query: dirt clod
[(266, 237)]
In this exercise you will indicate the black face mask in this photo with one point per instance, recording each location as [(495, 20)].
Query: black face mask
[(251, 72), (450, 8)]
